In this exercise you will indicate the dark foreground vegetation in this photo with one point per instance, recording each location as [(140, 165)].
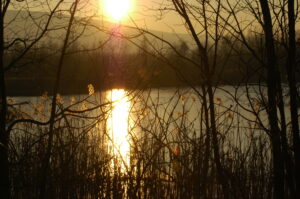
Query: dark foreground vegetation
[(206, 140)]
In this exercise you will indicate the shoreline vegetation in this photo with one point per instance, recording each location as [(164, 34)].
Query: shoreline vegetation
[(137, 71), (31, 88)]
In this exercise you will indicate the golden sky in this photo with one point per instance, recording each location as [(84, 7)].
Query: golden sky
[(146, 14)]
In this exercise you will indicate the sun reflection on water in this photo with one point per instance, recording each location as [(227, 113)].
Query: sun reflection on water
[(118, 125)]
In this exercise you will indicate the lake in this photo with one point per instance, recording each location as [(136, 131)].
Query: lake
[(169, 116)]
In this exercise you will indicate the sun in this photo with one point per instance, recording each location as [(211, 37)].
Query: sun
[(117, 9)]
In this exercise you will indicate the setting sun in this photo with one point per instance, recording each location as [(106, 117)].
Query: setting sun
[(117, 9)]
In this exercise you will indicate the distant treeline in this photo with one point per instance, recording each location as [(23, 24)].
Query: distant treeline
[(105, 68)]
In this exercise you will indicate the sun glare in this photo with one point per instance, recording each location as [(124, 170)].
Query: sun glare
[(117, 9), (118, 125)]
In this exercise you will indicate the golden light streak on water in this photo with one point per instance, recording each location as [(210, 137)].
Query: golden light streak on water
[(118, 125)]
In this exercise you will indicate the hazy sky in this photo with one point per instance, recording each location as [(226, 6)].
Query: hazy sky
[(146, 14)]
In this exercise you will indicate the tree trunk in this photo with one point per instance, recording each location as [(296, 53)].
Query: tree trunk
[(272, 82), (45, 163), (4, 163), (288, 163), (207, 153), (291, 71), (215, 146)]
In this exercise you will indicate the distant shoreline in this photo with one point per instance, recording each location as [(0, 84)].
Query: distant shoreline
[(27, 89)]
